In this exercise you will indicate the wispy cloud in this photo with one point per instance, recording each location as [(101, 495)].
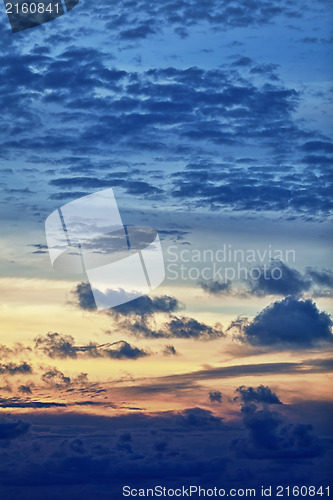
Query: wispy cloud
[(55, 345)]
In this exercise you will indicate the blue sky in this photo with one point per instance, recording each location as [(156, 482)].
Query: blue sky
[(211, 121), (239, 95)]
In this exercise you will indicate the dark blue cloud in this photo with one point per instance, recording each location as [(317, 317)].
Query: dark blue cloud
[(279, 279), (271, 436), (260, 394), (276, 279), (290, 323)]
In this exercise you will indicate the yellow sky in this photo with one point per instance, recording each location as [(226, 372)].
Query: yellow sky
[(33, 307)]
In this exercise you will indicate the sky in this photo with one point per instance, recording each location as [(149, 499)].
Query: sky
[(211, 121)]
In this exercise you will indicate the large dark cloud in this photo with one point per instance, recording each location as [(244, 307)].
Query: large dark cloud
[(271, 437), (55, 345), (260, 394), (289, 323)]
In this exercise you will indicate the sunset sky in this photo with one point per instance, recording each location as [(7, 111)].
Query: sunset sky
[(211, 120)]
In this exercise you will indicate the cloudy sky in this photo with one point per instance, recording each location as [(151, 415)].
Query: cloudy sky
[(211, 121)]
